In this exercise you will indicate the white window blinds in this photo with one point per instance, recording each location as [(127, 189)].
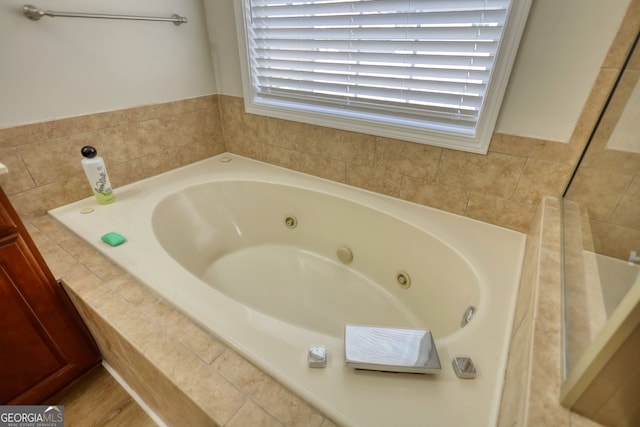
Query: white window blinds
[(422, 63)]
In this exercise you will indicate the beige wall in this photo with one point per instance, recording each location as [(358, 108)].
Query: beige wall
[(65, 67), (563, 47)]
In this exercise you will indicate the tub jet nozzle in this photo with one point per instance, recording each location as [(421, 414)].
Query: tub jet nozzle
[(403, 279), (344, 254)]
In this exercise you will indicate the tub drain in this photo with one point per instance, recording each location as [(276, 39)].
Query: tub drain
[(344, 254), (291, 221)]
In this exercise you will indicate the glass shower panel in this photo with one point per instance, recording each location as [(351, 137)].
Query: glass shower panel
[(602, 218)]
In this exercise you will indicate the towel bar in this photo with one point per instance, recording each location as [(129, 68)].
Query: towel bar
[(35, 14)]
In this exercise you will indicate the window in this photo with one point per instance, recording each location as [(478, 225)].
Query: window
[(428, 71)]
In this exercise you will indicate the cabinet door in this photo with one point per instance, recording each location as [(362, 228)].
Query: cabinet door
[(44, 345)]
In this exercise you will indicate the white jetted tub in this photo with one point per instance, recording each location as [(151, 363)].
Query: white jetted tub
[(273, 261)]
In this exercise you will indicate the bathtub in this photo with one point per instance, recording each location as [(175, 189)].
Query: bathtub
[(273, 261)]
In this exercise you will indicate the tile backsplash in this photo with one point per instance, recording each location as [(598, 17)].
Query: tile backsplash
[(503, 187), (44, 158)]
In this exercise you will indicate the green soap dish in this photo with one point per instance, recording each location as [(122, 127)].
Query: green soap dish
[(113, 239)]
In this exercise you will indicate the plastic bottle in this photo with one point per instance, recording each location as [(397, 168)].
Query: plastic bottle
[(96, 172)]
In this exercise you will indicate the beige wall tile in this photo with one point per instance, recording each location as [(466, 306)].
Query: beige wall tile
[(103, 268), (494, 210), (627, 212), (270, 395), (542, 178), (350, 147), (132, 141), (82, 124), (295, 136), (60, 262), (231, 114), (418, 161), (58, 159), (52, 228), (35, 202), (188, 128), (610, 160), (162, 161), (445, 197), (613, 240), (135, 143), (248, 126), (125, 173), (598, 191), (252, 415), (549, 294), (19, 179), (247, 148), (20, 135), (184, 330), (379, 180), (172, 405), (207, 388), (516, 382), (314, 150), (552, 230), (495, 173), (532, 398), (530, 147), (132, 291), (528, 279), (132, 325), (321, 166), (148, 112), (544, 409)]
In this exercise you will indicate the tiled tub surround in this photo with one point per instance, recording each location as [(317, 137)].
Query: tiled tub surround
[(183, 373), (503, 187), (210, 239), (531, 391), (190, 378)]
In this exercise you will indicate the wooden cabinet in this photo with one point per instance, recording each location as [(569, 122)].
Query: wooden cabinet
[(44, 345)]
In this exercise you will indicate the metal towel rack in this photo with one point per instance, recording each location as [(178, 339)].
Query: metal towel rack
[(35, 14)]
